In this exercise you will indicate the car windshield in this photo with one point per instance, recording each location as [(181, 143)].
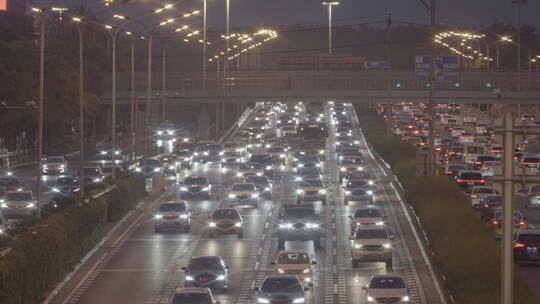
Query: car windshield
[(260, 158), (67, 181), (230, 145), (389, 282), (9, 182), (259, 180), (484, 190), (275, 150), (471, 176), (172, 207), (535, 188), (204, 263), (371, 234), (195, 181), (296, 213), (91, 171), (529, 238), (149, 163), (351, 161), (225, 214), (18, 196), (293, 258), (356, 184), (281, 284), (50, 160), (531, 160), (311, 183), (192, 298), (367, 213), (309, 159), (475, 150), (243, 187), (214, 147), (492, 200), (484, 158), (249, 166)]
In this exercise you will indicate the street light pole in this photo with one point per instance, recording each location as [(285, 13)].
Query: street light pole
[(148, 94), (227, 27), (40, 108), (81, 109), (330, 4), (204, 44), (432, 83), (164, 69), (133, 112)]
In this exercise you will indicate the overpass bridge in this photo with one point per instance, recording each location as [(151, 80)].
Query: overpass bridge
[(226, 98)]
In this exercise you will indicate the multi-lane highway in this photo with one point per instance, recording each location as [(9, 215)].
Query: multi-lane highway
[(142, 266)]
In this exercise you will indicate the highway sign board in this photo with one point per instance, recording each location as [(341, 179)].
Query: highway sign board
[(538, 73), (447, 68), (377, 65)]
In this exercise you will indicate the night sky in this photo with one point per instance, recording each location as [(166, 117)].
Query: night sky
[(453, 13)]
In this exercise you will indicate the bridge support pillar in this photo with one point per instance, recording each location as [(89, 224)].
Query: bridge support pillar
[(204, 121)]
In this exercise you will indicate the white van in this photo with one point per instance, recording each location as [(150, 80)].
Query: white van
[(471, 150)]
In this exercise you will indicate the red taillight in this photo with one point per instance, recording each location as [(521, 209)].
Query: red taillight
[(477, 163), (474, 195), (448, 172), (486, 206), (495, 222), (459, 180), (522, 223), (519, 245)]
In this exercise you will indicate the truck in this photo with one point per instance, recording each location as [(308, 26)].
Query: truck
[(313, 137)]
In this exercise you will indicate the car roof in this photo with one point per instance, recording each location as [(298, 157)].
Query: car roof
[(291, 251), (387, 276), (187, 290)]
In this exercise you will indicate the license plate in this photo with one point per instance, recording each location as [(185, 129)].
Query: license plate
[(470, 183), (532, 250)]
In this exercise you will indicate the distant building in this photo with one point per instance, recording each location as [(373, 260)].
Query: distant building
[(15, 7), (322, 62)]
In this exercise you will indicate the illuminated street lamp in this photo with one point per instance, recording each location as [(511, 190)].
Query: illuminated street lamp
[(330, 4)]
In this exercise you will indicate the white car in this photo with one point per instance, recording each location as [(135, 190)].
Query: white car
[(193, 295), (533, 196), (244, 194), (479, 193), (18, 203), (367, 216), (491, 168), (295, 262), (54, 165), (230, 158), (371, 244), (233, 147), (387, 289)]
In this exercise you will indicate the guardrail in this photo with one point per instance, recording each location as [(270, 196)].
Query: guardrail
[(247, 112)]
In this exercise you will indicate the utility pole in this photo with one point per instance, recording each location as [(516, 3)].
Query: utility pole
[(330, 4), (389, 54), (81, 109), (507, 284), (40, 108)]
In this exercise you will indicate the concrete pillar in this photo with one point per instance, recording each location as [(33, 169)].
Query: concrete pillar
[(204, 121)]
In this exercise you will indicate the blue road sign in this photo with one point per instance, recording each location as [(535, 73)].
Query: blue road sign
[(377, 65), (447, 68)]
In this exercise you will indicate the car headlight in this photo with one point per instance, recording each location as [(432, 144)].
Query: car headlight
[(268, 167), (117, 152), (239, 174), (370, 299), (317, 165), (220, 277), (170, 132), (322, 191), (196, 153), (379, 223), (299, 191), (298, 178), (184, 216), (356, 142), (370, 182), (31, 205), (369, 192), (348, 192), (159, 132), (55, 190), (255, 195), (158, 216), (263, 300), (238, 224), (189, 278), (137, 169), (267, 189), (205, 188), (287, 226), (103, 152), (343, 169), (205, 153), (212, 224), (358, 246), (321, 152), (183, 188), (4, 205), (312, 225), (281, 271), (300, 165), (220, 153), (405, 299), (387, 245), (156, 169), (299, 300), (307, 270), (172, 167), (232, 196), (282, 156)]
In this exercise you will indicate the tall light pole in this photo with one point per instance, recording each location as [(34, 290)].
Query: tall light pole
[(204, 44), (40, 105), (81, 103), (227, 32), (330, 4), (113, 35), (519, 2)]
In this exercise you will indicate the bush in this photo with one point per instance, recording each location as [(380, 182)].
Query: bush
[(465, 250), (125, 196), (45, 252)]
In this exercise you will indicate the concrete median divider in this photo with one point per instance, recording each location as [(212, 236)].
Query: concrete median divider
[(464, 251)]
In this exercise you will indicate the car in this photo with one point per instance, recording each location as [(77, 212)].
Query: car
[(18, 204), (262, 184), (527, 246), (149, 167), (264, 160), (371, 244), (277, 154), (519, 222), (295, 262), (172, 215), (200, 151), (480, 159), (491, 168), (107, 170), (67, 185), (184, 159), (226, 221), (54, 165), (478, 193), (310, 189), (232, 146), (92, 175), (307, 173), (107, 152), (469, 178), (213, 153), (489, 205), (367, 216), (168, 163), (193, 295), (359, 190), (348, 165), (196, 186), (10, 183), (533, 196), (281, 289), (207, 271), (387, 289), (299, 223), (251, 168), (244, 194), (306, 161), (530, 162), (357, 175), (231, 159), (453, 169)]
